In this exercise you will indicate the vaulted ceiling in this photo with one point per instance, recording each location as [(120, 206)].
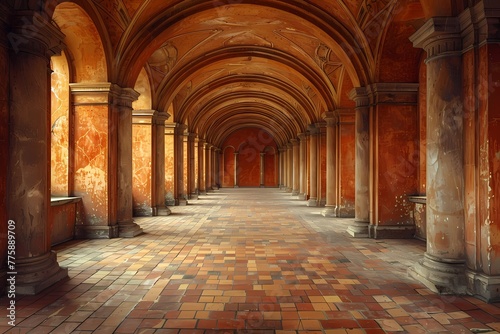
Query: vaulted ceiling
[(279, 65)]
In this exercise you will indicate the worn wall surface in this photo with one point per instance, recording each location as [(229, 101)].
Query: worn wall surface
[(142, 169), (347, 169)]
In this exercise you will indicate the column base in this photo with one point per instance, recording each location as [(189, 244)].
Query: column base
[(194, 196), (129, 229), (359, 229), (440, 276), (37, 273), (483, 286), (346, 211), (96, 232), (182, 202), (391, 231), (330, 211), (236, 186), (295, 192), (288, 190), (302, 197), (145, 211), (322, 202), (161, 211), (312, 202)]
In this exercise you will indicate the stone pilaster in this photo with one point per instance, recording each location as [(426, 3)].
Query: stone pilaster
[(313, 166), (302, 167), (201, 167), (236, 170), (158, 198), (208, 167), (148, 145), (262, 169), (28, 181), (295, 167), (191, 191), (331, 165), (443, 267), (180, 186), (289, 167), (359, 229), (281, 168)]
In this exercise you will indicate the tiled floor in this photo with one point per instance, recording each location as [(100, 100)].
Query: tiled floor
[(245, 260)]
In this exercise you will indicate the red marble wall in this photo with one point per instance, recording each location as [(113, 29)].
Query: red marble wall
[(60, 126), (322, 167), (228, 167), (92, 148), (396, 163), (250, 142), (347, 155), (489, 157), (142, 168), (169, 167), (422, 109)]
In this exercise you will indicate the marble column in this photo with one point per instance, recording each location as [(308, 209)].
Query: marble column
[(179, 186), (359, 228), (213, 168), (302, 167), (443, 267), (191, 167), (28, 182), (123, 107), (331, 168), (201, 167), (217, 166), (262, 169), (313, 166), (236, 167)]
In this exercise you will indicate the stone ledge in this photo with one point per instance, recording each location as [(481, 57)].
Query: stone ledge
[(391, 231), (483, 286)]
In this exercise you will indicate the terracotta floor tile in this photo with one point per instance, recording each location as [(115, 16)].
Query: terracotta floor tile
[(245, 261)]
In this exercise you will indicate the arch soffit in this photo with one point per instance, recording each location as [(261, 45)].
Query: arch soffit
[(143, 38)]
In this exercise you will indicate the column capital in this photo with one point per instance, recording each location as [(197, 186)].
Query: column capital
[(393, 93), (294, 141), (439, 37), (281, 149), (262, 154), (312, 129), (302, 136), (192, 135), (34, 33), (330, 117), (99, 93), (480, 24), (360, 96)]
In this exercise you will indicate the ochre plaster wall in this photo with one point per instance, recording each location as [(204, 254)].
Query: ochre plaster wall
[(92, 149), (250, 142), (169, 168), (141, 169), (60, 122), (228, 167)]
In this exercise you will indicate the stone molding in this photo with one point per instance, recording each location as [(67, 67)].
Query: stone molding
[(34, 33), (483, 286), (360, 96), (480, 24), (439, 37), (102, 93), (393, 93), (330, 118), (312, 130)]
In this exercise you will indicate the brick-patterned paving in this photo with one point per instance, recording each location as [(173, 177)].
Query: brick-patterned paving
[(245, 261)]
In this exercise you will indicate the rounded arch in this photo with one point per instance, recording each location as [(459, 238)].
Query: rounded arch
[(89, 56)]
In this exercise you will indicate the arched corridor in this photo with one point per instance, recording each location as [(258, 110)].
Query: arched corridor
[(246, 260), (374, 123)]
